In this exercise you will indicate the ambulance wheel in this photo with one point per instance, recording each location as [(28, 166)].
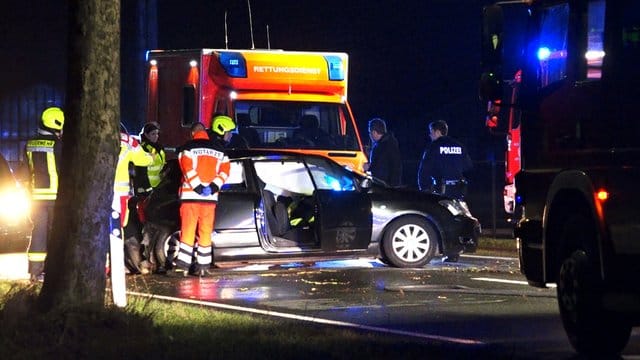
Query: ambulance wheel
[(408, 242)]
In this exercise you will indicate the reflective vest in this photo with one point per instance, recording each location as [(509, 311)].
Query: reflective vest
[(42, 152), (202, 162), (153, 170), (130, 151)]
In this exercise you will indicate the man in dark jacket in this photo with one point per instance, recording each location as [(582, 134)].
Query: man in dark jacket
[(385, 162), (443, 164)]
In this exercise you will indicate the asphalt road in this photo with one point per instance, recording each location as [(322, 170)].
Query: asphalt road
[(480, 305)]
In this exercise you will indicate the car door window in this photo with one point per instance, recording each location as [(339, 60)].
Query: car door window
[(236, 180), (330, 176), (282, 176)]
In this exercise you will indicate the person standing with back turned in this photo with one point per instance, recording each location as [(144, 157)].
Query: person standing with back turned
[(44, 155), (385, 161), (444, 162), (205, 168)]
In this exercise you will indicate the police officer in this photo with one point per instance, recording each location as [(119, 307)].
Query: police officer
[(443, 164), (43, 154)]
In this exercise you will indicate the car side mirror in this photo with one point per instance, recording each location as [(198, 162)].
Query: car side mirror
[(365, 183)]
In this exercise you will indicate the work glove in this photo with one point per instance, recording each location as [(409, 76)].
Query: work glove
[(206, 191), (214, 188), (199, 189)]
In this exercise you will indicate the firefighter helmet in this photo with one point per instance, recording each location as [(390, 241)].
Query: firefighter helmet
[(53, 118), (222, 124)]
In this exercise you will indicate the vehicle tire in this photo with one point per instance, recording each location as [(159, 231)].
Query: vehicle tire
[(409, 242), (591, 329), (164, 244)]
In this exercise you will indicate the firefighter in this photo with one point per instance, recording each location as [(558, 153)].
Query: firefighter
[(443, 164), (43, 154), (205, 168), (130, 152)]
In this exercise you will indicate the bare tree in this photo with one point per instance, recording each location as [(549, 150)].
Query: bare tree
[(76, 254)]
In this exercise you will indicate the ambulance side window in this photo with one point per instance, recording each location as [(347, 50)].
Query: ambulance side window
[(188, 105)]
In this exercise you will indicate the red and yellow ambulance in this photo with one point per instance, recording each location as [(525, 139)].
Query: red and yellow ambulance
[(278, 99)]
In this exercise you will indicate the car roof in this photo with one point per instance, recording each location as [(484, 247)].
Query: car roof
[(253, 153)]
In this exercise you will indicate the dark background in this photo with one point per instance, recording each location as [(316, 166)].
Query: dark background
[(410, 63)]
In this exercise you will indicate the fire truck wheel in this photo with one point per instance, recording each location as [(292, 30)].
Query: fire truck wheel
[(410, 241), (590, 328)]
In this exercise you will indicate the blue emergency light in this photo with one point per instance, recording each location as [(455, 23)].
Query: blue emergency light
[(233, 64), (544, 53), (336, 68)]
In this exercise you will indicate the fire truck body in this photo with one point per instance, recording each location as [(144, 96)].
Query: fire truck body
[(577, 192), (279, 99)]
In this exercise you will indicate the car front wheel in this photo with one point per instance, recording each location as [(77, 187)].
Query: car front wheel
[(409, 242), (164, 242)]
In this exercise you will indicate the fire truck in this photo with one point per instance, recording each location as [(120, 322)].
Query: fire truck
[(278, 99), (562, 80)]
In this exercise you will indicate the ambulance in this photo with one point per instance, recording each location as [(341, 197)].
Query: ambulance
[(279, 99)]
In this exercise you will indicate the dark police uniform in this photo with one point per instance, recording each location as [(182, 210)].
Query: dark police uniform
[(442, 168)]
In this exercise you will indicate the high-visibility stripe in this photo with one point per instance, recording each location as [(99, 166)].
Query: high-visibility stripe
[(204, 255), (45, 146), (185, 253), (37, 256)]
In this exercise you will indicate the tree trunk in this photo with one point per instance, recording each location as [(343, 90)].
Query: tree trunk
[(76, 252)]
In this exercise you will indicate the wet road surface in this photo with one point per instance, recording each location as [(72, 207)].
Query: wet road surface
[(479, 302)]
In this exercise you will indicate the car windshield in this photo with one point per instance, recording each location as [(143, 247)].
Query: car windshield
[(296, 125)]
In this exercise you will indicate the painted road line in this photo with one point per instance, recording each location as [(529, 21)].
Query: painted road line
[(505, 281), (310, 319)]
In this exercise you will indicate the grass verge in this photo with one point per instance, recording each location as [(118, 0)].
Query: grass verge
[(152, 329)]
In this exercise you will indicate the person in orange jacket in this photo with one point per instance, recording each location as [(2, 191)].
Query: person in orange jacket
[(205, 168)]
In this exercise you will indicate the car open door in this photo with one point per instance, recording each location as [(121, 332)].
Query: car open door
[(344, 219), (343, 210)]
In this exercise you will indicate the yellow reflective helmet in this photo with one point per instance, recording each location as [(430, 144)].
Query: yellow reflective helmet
[(53, 118), (222, 124)]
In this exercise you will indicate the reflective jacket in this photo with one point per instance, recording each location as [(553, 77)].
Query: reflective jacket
[(130, 152), (202, 162), (148, 177), (44, 154)]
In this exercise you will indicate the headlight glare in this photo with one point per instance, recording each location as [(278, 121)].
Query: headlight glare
[(456, 207)]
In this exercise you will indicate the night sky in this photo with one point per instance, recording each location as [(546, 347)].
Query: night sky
[(411, 62)]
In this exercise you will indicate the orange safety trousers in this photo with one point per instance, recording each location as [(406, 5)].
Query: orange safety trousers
[(200, 215)]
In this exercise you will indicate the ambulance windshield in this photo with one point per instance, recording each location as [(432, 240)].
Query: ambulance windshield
[(296, 125)]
